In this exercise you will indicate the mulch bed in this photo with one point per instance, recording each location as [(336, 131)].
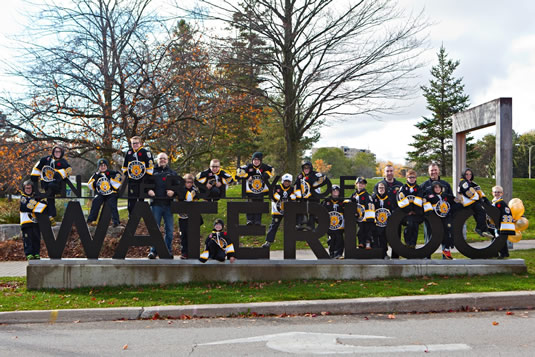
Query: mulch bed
[(13, 250)]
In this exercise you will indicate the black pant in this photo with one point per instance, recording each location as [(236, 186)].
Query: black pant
[(31, 237), (98, 201), (336, 242), (380, 240), (411, 230), (480, 216), (215, 251), (365, 233), (183, 225), (134, 190), (52, 189), (273, 227), (254, 218)]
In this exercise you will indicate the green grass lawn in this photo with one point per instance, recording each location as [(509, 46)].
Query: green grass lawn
[(15, 296)]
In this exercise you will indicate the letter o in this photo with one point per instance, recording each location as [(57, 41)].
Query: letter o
[(395, 241), (464, 247)]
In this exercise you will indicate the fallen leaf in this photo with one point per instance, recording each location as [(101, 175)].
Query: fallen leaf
[(76, 321), (431, 283), (125, 347), (391, 316), (495, 323), (325, 313), (509, 313)]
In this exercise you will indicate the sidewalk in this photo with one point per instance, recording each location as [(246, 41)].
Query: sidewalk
[(14, 269)]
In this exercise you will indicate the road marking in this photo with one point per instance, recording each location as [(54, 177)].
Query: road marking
[(328, 343)]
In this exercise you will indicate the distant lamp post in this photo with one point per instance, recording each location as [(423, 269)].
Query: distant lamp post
[(529, 157)]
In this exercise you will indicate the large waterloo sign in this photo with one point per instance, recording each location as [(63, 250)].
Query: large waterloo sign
[(92, 244)]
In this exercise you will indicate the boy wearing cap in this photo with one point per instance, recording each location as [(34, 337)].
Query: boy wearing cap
[(255, 174), (335, 207), (365, 213), (281, 194), (218, 245), (105, 183)]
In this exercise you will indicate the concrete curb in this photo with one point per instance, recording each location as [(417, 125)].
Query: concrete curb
[(513, 300)]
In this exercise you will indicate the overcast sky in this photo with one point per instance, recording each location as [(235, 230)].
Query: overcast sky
[(494, 40), (495, 43)]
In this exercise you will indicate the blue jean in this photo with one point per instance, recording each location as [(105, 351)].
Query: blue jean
[(160, 211)]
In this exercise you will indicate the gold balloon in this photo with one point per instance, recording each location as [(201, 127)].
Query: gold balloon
[(517, 208), (516, 238), (522, 224)]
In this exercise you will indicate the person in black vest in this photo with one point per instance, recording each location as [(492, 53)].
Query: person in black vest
[(165, 181), (106, 184), (255, 174), (52, 170), (137, 165)]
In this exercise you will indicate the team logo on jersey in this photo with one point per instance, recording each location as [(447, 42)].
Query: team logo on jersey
[(305, 187), (280, 206), (470, 192), (136, 169), (336, 220), (31, 204), (360, 212), (442, 209), (381, 216), (47, 173), (103, 186), (257, 185)]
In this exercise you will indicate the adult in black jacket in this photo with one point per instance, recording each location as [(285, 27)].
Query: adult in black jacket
[(165, 183), (391, 184)]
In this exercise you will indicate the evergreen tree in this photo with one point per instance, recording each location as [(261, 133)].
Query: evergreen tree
[(445, 96)]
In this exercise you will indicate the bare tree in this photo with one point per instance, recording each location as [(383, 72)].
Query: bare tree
[(329, 59), (89, 70)]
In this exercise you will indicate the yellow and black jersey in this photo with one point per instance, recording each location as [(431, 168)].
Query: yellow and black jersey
[(281, 195), (365, 206), (29, 206), (306, 185), (207, 176), (410, 198), (49, 169), (138, 163), (384, 206), (335, 207), (257, 174), (507, 226), (442, 204), (105, 183), (470, 192)]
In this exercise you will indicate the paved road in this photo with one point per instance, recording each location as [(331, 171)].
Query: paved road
[(19, 268), (451, 334)]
